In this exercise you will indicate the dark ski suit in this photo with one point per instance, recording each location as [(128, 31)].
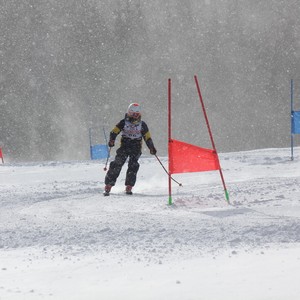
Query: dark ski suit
[(131, 146)]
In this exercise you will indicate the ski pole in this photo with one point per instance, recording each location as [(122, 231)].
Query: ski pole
[(108, 156), (180, 184), (105, 135)]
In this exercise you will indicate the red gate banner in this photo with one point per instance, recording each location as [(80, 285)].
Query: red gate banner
[(185, 158)]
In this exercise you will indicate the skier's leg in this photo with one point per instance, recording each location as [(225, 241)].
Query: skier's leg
[(115, 167), (133, 167)]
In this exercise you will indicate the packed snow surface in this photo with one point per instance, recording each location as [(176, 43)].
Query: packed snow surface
[(60, 238)]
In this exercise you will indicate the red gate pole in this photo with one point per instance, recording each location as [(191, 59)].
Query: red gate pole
[(169, 138), (211, 138), (1, 155)]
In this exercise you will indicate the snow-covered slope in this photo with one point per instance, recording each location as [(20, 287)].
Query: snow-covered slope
[(61, 239)]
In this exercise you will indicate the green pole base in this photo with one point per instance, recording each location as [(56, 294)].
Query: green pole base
[(227, 196)]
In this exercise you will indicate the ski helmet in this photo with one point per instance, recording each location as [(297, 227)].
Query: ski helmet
[(134, 113)]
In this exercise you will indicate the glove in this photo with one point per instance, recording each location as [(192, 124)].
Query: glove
[(111, 143), (153, 151)]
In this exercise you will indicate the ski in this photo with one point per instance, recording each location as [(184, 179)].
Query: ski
[(125, 192)]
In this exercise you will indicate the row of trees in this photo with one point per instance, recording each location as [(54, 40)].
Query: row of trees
[(70, 65)]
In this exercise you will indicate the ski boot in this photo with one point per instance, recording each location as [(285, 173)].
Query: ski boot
[(107, 190), (128, 190)]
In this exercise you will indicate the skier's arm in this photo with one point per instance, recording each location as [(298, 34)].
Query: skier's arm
[(114, 133), (147, 138)]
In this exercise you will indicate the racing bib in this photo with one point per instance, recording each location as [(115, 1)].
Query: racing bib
[(132, 131)]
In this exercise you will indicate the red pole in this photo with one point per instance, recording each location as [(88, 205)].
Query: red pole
[(211, 137), (1, 155), (169, 138)]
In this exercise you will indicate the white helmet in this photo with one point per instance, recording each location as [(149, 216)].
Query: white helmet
[(134, 113)]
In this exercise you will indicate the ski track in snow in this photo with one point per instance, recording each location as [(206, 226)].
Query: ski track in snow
[(69, 216)]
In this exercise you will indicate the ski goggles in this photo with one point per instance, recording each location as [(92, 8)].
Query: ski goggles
[(134, 115)]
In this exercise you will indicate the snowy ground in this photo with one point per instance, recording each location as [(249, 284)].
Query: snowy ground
[(61, 239)]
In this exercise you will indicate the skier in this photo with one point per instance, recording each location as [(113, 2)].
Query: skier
[(133, 130)]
